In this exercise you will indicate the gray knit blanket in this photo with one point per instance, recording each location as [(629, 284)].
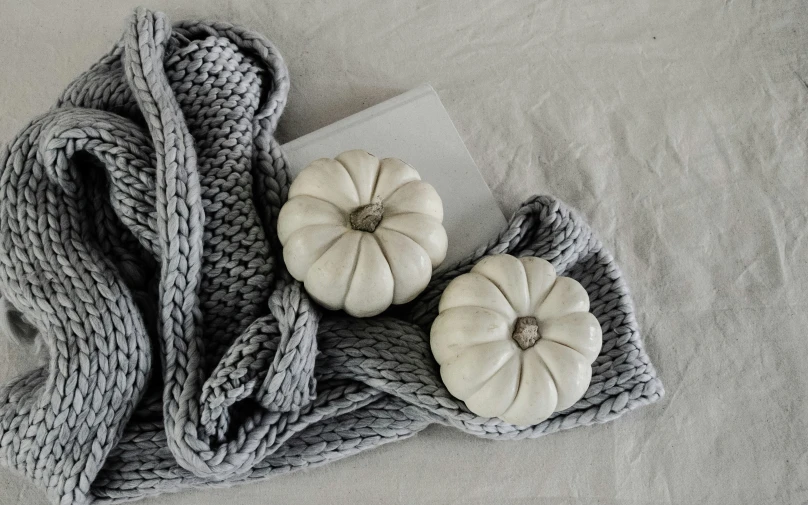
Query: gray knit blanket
[(137, 238)]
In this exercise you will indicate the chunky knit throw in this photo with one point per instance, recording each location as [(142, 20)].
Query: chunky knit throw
[(137, 238)]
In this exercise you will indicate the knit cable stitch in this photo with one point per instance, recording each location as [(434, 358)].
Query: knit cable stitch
[(137, 237)]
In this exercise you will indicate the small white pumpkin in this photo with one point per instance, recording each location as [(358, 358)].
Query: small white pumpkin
[(360, 233), (515, 341)]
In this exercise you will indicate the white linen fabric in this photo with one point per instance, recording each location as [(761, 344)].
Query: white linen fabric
[(678, 130)]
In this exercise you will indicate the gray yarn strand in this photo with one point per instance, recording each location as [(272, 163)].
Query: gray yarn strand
[(137, 239)]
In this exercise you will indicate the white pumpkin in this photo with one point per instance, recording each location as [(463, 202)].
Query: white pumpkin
[(360, 233), (515, 341)]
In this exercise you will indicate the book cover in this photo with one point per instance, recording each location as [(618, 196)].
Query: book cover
[(416, 128)]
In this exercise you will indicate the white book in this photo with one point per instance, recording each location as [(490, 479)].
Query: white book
[(416, 128)]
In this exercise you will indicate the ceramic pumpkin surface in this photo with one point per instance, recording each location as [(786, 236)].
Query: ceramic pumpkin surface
[(362, 233), (514, 340)]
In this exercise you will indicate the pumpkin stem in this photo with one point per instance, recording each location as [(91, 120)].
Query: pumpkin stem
[(526, 332), (367, 217)]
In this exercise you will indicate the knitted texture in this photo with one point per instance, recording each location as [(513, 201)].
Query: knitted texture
[(137, 238)]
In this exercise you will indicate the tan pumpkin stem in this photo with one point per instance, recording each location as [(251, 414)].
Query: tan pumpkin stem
[(367, 217), (526, 332)]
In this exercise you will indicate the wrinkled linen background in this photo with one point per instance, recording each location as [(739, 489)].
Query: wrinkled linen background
[(678, 129)]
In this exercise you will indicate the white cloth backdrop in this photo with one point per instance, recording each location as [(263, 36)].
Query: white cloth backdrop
[(679, 129)]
